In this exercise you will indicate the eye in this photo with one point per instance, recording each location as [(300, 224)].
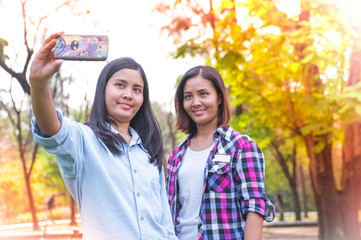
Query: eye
[(203, 93), (119, 84), (138, 90), (187, 96)]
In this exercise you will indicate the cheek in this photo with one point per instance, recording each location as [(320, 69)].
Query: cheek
[(186, 105), (139, 102), (107, 101)]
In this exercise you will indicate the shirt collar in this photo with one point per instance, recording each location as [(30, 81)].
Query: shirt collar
[(135, 136), (224, 132)]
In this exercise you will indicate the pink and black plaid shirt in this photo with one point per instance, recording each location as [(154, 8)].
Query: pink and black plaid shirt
[(233, 185)]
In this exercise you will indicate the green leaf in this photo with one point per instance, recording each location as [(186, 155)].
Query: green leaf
[(308, 58), (358, 110)]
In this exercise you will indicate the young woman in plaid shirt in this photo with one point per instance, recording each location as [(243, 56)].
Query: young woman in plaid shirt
[(215, 182)]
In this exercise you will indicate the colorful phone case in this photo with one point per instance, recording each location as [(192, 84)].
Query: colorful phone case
[(82, 47)]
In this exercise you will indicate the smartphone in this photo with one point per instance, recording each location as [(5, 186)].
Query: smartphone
[(82, 47)]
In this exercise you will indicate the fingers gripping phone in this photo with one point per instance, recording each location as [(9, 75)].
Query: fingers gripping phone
[(82, 47)]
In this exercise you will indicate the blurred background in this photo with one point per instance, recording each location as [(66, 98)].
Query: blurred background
[(292, 70)]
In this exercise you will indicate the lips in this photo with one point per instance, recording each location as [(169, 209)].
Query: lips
[(199, 112), (125, 105)]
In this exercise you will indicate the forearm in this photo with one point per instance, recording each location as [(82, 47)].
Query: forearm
[(42, 68), (253, 229), (44, 110)]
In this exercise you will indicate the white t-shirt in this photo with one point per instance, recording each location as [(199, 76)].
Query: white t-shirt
[(190, 182)]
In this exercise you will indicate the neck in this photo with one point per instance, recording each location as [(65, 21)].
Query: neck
[(123, 129), (205, 132), (203, 139)]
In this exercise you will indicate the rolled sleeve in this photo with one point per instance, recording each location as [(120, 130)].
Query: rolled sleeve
[(48, 142), (263, 206), (64, 144)]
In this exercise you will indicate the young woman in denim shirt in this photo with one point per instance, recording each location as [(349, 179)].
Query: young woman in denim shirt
[(112, 165)]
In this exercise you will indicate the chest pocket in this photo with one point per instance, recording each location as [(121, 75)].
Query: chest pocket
[(219, 178)]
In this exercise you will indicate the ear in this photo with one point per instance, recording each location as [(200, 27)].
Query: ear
[(219, 101)]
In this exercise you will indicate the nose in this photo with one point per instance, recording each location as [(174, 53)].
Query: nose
[(127, 95), (196, 102)]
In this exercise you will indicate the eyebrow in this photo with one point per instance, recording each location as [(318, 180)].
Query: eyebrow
[(125, 81), (200, 90), (139, 85)]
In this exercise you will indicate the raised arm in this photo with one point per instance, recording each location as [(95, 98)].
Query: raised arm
[(43, 67)]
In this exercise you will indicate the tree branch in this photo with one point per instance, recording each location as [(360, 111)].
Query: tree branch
[(18, 76), (282, 161), (23, 3), (33, 158)]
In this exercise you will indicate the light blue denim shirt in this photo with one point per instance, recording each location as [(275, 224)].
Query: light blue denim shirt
[(119, 197)]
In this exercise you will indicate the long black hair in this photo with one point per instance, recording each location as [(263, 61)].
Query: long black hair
[(144, 121)]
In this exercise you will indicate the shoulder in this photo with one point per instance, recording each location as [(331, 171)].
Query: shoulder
[(237, 139), (177, 150), (69, 130), (78, 128), (68, 124), (76, 132)]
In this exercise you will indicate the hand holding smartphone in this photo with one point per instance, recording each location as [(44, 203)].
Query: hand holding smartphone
[(82, 47)]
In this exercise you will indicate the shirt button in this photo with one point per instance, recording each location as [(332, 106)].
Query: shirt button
[(138, 194), (141, 218), (135, 171)]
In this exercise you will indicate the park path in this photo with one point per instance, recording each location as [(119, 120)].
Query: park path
[(61, 230), (290, 233)]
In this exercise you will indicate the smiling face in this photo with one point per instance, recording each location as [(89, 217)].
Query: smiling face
[(201, 102), (124, 96)]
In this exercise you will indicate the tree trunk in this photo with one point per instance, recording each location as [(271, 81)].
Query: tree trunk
[(303, 189), (31, 203), (351, 172), (296, 201), (292, 180), (170, 127), (28, 185), (280, 206), (337, 213), (72, 212)]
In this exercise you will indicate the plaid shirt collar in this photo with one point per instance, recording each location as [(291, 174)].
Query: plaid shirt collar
[(224, 132)]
